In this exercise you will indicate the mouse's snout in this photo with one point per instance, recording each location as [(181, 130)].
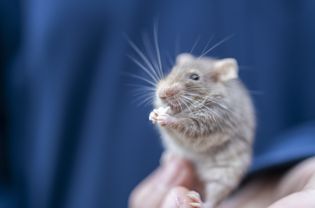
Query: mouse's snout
[(166, 92)]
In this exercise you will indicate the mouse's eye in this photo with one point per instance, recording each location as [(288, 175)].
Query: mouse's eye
[(194, 76)]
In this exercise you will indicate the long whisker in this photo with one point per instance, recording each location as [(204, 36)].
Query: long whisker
[(215, 46), (157, 49), (147, 71), (144, 99), (194, 103), (207, 44), (143, 79), (202, 107), (222, 106), (195, 45), (142, 92), (146, 61), (143, 95), (212, 113), (148, 48), (140, 87), (180, 105), (185, 99)]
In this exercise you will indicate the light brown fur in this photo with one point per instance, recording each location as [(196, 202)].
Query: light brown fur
[(209, 121)]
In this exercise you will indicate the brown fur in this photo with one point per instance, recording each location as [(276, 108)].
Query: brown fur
[(209, 121)]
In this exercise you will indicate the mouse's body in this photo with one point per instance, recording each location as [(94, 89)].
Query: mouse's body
[(206, 116)]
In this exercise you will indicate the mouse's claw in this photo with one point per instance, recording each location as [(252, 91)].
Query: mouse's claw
[(195, 198)]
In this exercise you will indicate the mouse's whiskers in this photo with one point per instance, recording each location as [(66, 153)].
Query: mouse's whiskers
[(149, 48), (179, 105), (195, 45), (144, 98), (146, 80), (215, 46), (200, 106), (187, 102), (145, 65), (219, 104), (207, 44), (157, 49), (144, 95)]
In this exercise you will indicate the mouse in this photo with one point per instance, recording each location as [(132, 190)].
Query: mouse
[(205, 114)]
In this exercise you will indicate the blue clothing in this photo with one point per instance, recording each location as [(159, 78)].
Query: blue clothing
[(71, 135)]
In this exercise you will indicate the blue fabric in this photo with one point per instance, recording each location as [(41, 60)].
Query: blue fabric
[(71, 135)]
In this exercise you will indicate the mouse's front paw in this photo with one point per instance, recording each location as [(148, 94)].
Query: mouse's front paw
[(165, 119), (153, 116), (161, 116)]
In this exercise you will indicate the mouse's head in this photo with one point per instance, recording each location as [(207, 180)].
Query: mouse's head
[(194, 79)]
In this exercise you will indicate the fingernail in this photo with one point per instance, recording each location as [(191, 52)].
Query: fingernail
[(194, 196), (195, 204)]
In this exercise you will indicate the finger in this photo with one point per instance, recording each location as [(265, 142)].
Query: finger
[(297, 179), (256, 194), (303, 199), (181, 197), (263, 191), (311, 182), (151, 192), (188, 178)]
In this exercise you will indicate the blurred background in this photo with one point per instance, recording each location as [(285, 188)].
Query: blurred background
[(71, 134)]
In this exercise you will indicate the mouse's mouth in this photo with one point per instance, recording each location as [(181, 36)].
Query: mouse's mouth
[(175, 104)]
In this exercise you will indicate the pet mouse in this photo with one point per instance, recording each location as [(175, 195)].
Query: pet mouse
[(205, 114)]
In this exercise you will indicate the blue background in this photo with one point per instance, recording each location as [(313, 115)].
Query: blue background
[(71, 135)]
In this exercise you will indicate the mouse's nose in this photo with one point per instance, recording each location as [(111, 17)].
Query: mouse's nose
[(168, 92)]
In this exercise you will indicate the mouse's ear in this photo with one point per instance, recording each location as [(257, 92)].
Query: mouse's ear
[(225, 69), (184, 58)]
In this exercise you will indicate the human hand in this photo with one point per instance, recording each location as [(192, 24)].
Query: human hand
[(169, 185), (294, 189)]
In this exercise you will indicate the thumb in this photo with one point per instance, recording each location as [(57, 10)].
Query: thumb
[(151, 192)]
